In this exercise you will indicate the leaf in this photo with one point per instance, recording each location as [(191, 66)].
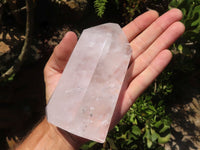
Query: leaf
[(196, 14), (132, 118), (152, 108), (149, 112), (92, 144), (158, 124), (175, 3), (117, 128), (154, 135), (136, 130), (100, 7), (111, 143), (117, 3), (11, 78), (163, 140), (165, 128), (123, 136), (180, 48), (88, 146), (134, 137), (147, 134), (149, 143), (130, 141), (134, 146)]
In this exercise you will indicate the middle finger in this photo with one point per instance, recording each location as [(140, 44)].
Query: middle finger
[(146, 38)]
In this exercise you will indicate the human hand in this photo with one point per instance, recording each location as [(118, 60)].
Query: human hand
[(149, 36)]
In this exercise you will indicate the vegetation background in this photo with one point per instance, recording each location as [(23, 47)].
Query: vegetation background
[(166, 116)]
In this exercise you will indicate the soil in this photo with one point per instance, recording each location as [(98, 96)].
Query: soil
[(185, 113), (22, 99), (186, 126)]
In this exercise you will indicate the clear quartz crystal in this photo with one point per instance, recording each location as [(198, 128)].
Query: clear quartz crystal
[(86, 95)]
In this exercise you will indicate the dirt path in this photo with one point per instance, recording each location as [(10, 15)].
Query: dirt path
[(186, 114)]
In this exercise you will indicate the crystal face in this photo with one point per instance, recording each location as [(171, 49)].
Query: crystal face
[(86, 95)]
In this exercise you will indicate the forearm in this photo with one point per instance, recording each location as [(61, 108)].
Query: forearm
[(49, 137)]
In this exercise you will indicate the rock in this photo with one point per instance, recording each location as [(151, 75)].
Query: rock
[(73, 8), (4, 48), (78, 5), (85, 98)]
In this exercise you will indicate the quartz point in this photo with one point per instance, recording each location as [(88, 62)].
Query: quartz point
[(84, 100)]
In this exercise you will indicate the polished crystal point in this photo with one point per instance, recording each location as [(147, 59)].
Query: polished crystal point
[(86, 95)]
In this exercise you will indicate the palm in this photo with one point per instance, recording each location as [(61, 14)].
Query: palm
[(149, 37)]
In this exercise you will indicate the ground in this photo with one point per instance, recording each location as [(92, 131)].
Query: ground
[(185, 113), (186, 126)]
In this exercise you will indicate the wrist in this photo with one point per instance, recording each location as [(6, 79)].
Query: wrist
[(48, 136), (68, 138)]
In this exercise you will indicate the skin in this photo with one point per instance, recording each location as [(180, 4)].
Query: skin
[(149, 36)]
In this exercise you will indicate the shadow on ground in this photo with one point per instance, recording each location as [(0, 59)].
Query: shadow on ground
[(185, 113)]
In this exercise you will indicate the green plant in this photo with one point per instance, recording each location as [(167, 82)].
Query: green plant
[(100, 7), (129, 7), (145, 126), (3, 1), (191, 16), (187, 46)]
